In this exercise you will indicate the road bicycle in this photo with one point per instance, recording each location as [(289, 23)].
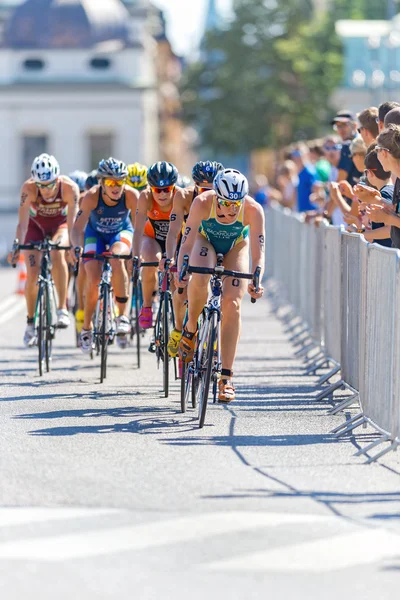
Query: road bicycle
[(45, 316), (164, 323), (206, 365), (104, 324)]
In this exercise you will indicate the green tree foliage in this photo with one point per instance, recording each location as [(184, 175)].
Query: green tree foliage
[(267, 77)]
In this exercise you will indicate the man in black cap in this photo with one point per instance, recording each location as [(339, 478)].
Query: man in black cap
[(345, 124)]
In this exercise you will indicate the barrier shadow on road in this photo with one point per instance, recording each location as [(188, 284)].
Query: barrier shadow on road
[(251, 441)]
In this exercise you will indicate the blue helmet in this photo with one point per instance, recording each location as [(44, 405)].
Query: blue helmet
[(205, 171), (162, 174), (79, 177), (91, 179), (113, 168)]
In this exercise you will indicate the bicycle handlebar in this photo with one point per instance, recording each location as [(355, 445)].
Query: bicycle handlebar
[(219, 270), (39, 246)]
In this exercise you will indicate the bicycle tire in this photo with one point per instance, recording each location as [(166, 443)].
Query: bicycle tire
[(206, 379), (40, 329), (103, 337), (48, 331), (164, 343), (137, 328), (184, 374)]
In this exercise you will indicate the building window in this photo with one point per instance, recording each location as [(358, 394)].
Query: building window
[(100, 63), (100, 146), (32, 146), (33, 64)]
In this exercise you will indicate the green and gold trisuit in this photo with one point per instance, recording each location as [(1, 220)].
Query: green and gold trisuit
[(224, 236)]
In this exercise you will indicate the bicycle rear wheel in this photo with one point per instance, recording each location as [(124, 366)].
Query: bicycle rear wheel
[(104, 337), (207, 362)]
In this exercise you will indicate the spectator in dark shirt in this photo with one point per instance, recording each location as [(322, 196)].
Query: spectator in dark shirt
[(345, 124), (381, 180), (388, 152), (307, 178)]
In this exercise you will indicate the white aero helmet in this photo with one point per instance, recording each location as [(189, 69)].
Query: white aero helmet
[(45, 169), (231, 184)]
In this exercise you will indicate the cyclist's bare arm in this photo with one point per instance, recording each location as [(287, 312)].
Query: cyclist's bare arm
[(71, 197), (143, 205), (199, 211), (178, 212), (254, 217), (88, 204), (131, 201), (27, 196)]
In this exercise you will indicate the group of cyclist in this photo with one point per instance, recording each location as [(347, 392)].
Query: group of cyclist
[(153, 214)]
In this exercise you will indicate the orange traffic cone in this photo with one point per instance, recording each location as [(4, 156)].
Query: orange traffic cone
[(21, 274)]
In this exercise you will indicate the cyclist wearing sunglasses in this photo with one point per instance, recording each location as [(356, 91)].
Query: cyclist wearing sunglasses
[(203, 175), (151, 229), (221, 221), (105, 221), (48, 206)]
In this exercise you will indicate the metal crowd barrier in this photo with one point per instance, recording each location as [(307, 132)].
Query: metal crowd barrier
[(347, 293)]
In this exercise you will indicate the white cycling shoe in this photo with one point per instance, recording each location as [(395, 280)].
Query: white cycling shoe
[(123, 325), (86, 340), (30, 336), (63, 319)]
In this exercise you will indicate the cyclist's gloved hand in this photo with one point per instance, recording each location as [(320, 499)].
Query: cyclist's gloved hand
[(252, 291), (13, 256)]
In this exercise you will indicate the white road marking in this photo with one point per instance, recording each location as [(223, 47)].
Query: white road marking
[(15, 307), (21, 516), (329, 554), (147, 535)]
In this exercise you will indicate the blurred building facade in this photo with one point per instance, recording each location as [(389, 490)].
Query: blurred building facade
[(84, 80), (371, 62)]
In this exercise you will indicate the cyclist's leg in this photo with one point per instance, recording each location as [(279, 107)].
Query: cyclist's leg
[(95, 244), (237, 259), (121, 244), (202, 255), (151, 251), (60, 266), (32, 261)]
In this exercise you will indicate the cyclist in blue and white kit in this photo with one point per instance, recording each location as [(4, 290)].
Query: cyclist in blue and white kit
[(105, 220)]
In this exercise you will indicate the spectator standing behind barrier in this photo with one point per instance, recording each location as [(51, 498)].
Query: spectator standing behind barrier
[(383, 110), (317, 158), (368, 125), (392, 117), (287, 181), (388, 152), (264, 193), (342, 193), (307, 177), (381, 180), (345, 124)]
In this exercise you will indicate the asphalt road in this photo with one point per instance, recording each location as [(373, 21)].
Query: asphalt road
[(108, 491)]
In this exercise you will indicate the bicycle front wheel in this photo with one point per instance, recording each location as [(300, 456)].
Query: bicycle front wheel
[(164, 342), (207, 362), (49, 330), (41, 327), (138, 295), (104, 337)]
